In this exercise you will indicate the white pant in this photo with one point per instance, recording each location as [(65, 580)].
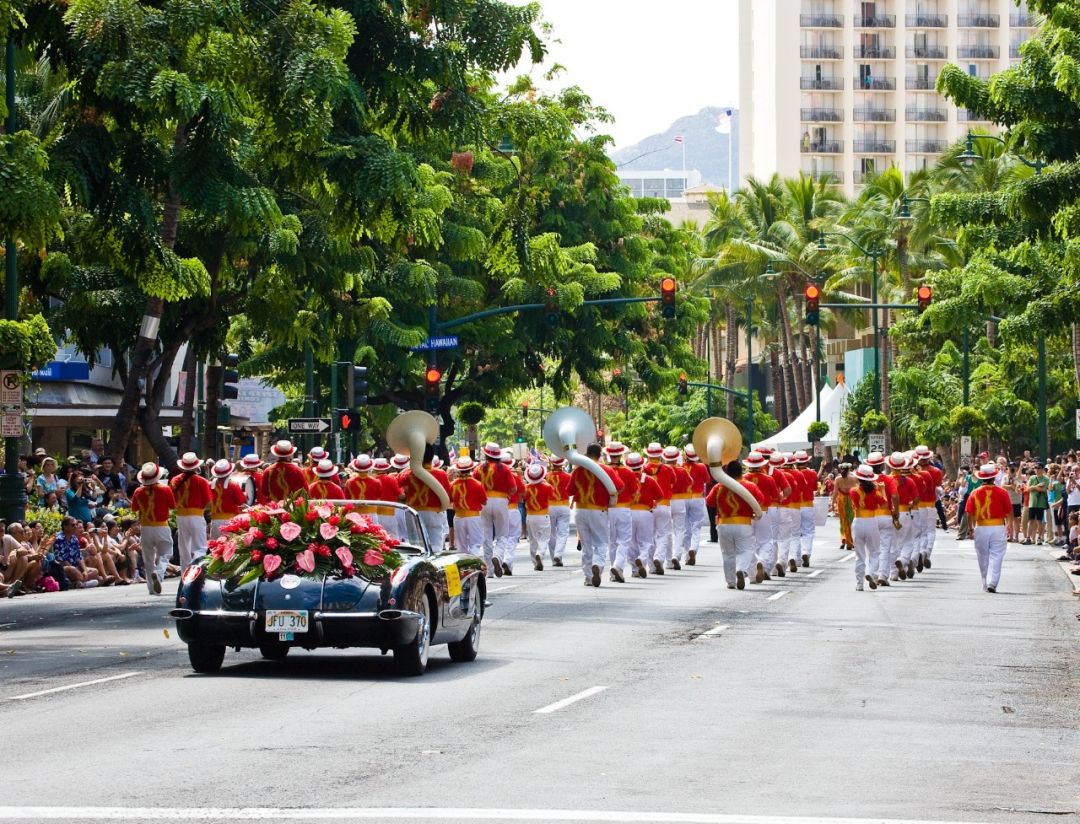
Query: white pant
[(495, 521), (887, 547), (593, 529), (215, 527), (902, 542), (737, 546), (469, 534), (513, 535), (990, 550), (765, 535), (539, 529), (662, 533), (642, 545), (190, 538), (678, 528), (560, 530), (867, 539), (787, 534), (621, 526), (696, 514), (807, 528), (930, 536), (435, 529), (157, 549)]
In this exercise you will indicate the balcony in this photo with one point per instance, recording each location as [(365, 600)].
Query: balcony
[(928, 52), (924, 20), (968, 116), (829, 175), (874, 146), (821, 52), (920, 84), (978, 52), (1014, 49), (925, 146), (821, 115), (874, 84), (876, 21), (870, 114), (918, 115), (1024, 20), (823, 84), (978, 21), (875, 52), (822, 147), (860, 176), (821, 21)]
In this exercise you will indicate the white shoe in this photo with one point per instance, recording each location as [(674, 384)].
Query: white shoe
[(859, 587)]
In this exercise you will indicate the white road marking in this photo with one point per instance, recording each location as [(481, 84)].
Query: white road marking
[(26, 695), (566, 702), (847, 557), (415, 814), (714, 631), (503, 589), (776, 596), (815, 573), (11, 624)]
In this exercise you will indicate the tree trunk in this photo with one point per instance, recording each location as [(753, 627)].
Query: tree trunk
[(796, 402), (210, 435), (187, 424), (885, 344), (731, 356), (1076, 355), (155, 398), (902, 262), (991, 334), (805, 376), (779, 410), (718, 353)]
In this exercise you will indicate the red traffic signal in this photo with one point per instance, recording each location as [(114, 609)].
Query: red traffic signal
[(668, 287), (924, 294), (432, 377), (812, 293), (684, 387)]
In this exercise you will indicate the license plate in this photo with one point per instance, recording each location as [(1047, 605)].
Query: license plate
[(286, 620)]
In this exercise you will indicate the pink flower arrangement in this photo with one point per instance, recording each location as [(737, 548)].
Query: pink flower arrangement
[(310, 540)]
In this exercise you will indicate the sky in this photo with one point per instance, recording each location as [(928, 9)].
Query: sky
[(647, 62)]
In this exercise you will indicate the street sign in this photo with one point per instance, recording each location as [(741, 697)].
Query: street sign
[(819, 449), (11, 395), (876, 441), (304, 426), (965, 446), (443, 342), (12, 426)]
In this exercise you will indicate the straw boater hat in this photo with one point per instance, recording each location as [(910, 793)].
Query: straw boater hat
[(283, 450), (222, 469), (765, 450), (148, 474), (691, 453), (654, 450), (865, 473), (361, 463), (755, 460), (801, 457), (615, 449), (162, 474), (776, 459), (986, 472), (317, 453), (250, 461), (875, 459), (436, 462), (535, 473), (897, 461), (464, 464), (789, 459), (671, 454), (399, 461), (507, 456), (493, 451), (635, 460), (325, 469), (189, 462), (557, 461), (923, 452), (380, 465)]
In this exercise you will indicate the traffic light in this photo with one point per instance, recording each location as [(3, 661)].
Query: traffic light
[(551, 307), (356, 385), (667, 298), (813, 301), (924, 294), (229, 391), (432, 376), (348, 420), (684, 387)]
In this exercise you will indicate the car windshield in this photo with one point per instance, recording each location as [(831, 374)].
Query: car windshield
[(413, 537)]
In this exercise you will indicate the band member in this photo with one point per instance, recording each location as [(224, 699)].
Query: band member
[(620, 520), (152, 502), (680, 494), (559, 508), (326, 486), (363, 485), (192, 494), (468, 498), (867, 500), (592, 502), (251, 464), (498, 483), (227, 497), (888, 518), (398, 466), (513, 512), (665, 477), (537, 521), (316, 454), (787, 527), (806, 513), (646, 498), (988, 505), (423, 499), (765, 526), (734, 518), (907, 497), (283, 479), (929, 502), (389, 493), (696, 510), (842, 503)]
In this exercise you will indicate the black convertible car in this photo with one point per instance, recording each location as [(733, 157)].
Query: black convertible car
[(432, 598)]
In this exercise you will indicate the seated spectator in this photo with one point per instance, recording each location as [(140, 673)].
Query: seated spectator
[(124, 556), (68, 552), (108, 475), (97, 555), (116, 499), (22, 562)]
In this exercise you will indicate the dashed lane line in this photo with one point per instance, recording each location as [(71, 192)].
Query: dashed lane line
[(776, 596), (566, 702), (66, 687), (815, 573), (711, 633)]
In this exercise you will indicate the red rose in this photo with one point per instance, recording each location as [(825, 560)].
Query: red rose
[(356, 529), (256, 533), (260, 517), (299, 502), (286, 517), (311, 515), (271, 543), (333, 520), (313, 547), (256, 556), (348, 508), (323, 550)]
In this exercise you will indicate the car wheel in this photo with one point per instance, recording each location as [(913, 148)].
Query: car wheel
[(466, 649), (412, 658), (205, 659), (274, 652)]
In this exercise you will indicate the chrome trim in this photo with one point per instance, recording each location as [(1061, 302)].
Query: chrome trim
[(398, 614), (319, 616), (225, 613), (180, 613)]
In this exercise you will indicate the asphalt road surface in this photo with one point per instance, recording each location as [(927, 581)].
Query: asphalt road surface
[(672, 699)]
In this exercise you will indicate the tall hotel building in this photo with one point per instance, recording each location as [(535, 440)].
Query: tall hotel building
[(847, 88)]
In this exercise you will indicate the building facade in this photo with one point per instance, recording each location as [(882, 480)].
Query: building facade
[(842, 89)]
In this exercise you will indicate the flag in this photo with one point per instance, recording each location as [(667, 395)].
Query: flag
[(723, 122), (451, 454), (678, 138)]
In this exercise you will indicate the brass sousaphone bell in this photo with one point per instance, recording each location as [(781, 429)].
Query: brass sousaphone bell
[(718, 442), (567, 433), (409, 434)]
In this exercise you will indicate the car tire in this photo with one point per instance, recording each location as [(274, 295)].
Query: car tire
[(467, 648), (274, 652), (205, 659), (412, 658)]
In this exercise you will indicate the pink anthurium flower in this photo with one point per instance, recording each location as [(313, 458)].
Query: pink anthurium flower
[(345, 556), (324, 511), (356, 518), (373, 557), (290, 531), (228, 552), (271, 563), (306, 560), (327, 531)]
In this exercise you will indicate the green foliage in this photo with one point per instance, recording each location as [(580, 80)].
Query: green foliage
[(471, 413), (29, 207), (874, 421), (817, 430), (26, 344)]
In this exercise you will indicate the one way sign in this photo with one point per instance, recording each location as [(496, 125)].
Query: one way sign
[(303, 426)]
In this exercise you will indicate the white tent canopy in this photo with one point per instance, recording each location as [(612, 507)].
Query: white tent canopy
[(794, 436)]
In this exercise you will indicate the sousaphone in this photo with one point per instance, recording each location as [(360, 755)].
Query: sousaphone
[(409, 434), (718, 442), (568, 433)]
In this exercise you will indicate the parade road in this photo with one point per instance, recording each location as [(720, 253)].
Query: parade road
[(670, 699)]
